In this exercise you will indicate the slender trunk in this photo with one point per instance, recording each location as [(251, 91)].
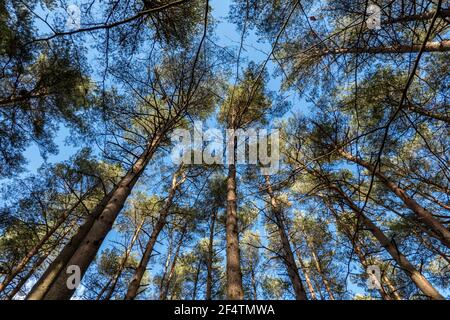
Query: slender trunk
[(392, 290), (104, 288), (161, 222), (197, 273), (90, 244), (307, 278), (288, 256), (419, 280), (135, 283), (166, 267), (209, 262), (235, 290), (165, 292), (254, 287), (123, 263), (423, 215), (320, 271), (318, 287)]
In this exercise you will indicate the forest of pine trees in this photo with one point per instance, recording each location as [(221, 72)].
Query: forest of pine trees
[(87, 116)]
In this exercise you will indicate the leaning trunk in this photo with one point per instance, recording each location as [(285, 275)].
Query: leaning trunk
[(288, 256), (363, 259), (307, 278), (419, 280), (165, 292), (140, 270), (423, 215), (320, 272), (123, 263)]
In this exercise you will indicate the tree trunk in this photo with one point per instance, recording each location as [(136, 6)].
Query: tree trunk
[(288, 256), (422, 214), (165, 292), (235, 290), (320, 271), (197, 273), (419, 280), (166, 267), (392, 290), (140, 270), (307, 278), (254, 287), (318, 287), (91, 243), (209, 263), (123, 263)]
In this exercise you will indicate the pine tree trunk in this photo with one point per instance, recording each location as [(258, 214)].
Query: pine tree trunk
[(140, 270), (165, 292), (135, 283), (423, 215), (254, 287), (104, 288), (209, 263), (392, 290), (318, 287), (123, 263), (235, 290), (166, 267), (417, 278), (320, 271), (197, 274), (288, 256), (307, 278)]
